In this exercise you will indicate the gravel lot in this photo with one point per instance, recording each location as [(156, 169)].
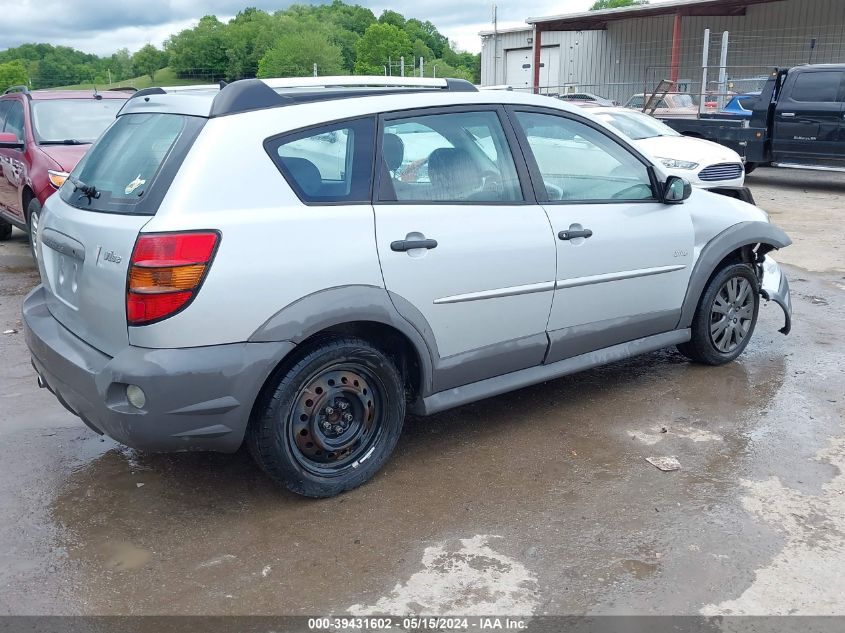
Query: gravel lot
[(536, 502)]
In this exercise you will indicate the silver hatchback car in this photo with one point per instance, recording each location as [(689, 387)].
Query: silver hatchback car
[(294, 263)]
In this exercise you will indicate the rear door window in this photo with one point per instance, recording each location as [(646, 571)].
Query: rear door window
[(817, 87), (330, 164), (133, 158)]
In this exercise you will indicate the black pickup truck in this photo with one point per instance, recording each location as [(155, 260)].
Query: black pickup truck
[(797, 121)]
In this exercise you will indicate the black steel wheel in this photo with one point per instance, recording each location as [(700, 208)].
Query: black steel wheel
[(726, 316), (330, 421)]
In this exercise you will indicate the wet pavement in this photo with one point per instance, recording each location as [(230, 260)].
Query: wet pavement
[(536, 502)]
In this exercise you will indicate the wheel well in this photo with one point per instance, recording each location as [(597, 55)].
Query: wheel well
[(27, 195), (751, 254), (388, 339)]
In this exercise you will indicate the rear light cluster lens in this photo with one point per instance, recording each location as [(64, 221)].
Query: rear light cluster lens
[(165, 273)]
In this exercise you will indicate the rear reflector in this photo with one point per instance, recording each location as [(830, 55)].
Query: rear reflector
[(165, 273)]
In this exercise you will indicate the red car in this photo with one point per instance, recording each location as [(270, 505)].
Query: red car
[(43, 134)]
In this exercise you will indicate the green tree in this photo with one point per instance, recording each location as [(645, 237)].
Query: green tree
[(350, 17), (120, 65), (421, 50), (200, 51), (296, 54), (393, 18), (12, 74), (428, 33), (248, 36), (615, 4), (148, 60), (380, 43)]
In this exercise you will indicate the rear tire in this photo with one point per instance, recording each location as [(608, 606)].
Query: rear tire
[(750, 167), (329, 423), (725, 318), (33, 215), (5, 231)]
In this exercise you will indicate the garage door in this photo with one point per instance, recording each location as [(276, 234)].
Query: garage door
[(518, 65)]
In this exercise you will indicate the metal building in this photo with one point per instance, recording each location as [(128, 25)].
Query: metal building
[(619, 52)]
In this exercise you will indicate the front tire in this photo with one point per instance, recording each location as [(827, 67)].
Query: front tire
[(725, 318), (331, 421), (5, 231), (33, 216)]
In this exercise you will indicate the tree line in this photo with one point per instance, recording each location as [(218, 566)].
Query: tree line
[(339, 38)]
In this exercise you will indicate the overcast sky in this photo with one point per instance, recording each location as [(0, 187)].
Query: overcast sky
[(103, 26)]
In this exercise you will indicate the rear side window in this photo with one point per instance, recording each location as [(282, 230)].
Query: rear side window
[(819, 87), (330, 164), (129, 162), (14, 120), (4, 108)]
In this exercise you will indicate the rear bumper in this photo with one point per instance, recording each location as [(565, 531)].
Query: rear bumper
[(196, 398)]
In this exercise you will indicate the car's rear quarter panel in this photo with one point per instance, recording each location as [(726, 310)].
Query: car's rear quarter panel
[(274, 249)]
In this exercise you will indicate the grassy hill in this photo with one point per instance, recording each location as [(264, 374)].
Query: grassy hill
[(164, 77)]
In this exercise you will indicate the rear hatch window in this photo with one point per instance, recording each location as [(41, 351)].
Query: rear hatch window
[(84, 256), (130, 167)]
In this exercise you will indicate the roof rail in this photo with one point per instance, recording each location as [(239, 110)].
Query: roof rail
[(23, 89), (369, 81), (255, 94)]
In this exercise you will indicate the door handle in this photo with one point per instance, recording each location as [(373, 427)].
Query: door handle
[(788, 114), (400, 246), (571, 235)]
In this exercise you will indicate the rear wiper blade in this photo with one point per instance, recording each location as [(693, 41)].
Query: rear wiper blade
[(89, 191), (67, 141)]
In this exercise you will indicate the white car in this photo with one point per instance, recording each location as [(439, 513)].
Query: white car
[(294, 263), (702, 163)]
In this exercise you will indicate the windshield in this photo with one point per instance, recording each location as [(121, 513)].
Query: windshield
[(75, 120), (636, 126)]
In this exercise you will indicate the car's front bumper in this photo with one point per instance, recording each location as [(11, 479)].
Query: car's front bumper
[(775, 287), (197, 398)]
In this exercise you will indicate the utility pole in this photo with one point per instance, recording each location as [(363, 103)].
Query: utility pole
[(315, 70), (109, 71), (495, 46), (402, 66), (422, 67)]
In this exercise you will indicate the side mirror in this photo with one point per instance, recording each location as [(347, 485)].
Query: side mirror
[(676, 190), (10, 141)]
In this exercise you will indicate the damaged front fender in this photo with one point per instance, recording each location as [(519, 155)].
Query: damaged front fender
[(775, 287)]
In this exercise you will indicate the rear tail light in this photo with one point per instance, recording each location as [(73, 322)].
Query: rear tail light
[(165, 273)]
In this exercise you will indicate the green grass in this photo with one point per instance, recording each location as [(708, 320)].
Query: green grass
[(164, 77)]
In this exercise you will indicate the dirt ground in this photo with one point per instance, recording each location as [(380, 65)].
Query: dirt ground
[(535, 502)]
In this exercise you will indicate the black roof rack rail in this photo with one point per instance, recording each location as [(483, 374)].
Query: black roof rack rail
[(23, 89), (257, 94)]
